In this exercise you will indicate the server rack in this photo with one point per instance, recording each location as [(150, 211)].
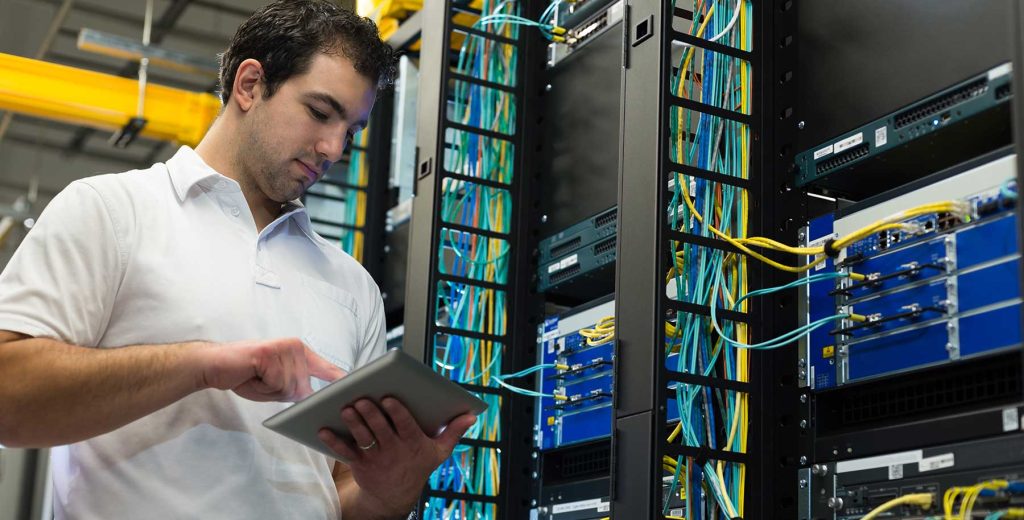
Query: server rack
[(783, 443), (646, 169), (441, 26)]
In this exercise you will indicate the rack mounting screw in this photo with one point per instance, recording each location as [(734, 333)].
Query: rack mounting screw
[(819, 469), (803, 483), (801, 125), (803, 424), (803, 398), (803, 460), (835, 503)]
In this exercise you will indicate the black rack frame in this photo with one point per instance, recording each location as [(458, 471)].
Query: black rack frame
[(518, 469)]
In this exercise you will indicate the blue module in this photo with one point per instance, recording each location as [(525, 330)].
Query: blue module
[(587, 414), (945, 289)]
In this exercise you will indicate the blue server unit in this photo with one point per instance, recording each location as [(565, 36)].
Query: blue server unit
[(587, 383), (942, 289)]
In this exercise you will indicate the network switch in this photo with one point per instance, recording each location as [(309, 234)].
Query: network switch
[(966, 119)]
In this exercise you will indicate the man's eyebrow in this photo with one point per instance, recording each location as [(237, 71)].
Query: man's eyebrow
[(338, 107), (327, 98)]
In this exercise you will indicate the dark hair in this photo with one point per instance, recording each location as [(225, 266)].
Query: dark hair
[(285, 35)]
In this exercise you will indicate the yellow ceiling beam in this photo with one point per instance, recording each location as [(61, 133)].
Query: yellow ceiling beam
[(83, 97)]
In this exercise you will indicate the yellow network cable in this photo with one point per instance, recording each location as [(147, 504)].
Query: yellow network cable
[(970, 495), (922, 500)]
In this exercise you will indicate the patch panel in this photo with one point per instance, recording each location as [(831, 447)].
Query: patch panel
[(575, 274), (583, 24), (851, 489), (939, 288), (601, 225), (909, 143)]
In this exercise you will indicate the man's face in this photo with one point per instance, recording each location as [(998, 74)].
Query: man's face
[(296, 134)]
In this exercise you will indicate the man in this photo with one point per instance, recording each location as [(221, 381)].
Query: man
[(179, 266)]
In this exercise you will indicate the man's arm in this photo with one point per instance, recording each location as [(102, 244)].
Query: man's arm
[(53, 393)]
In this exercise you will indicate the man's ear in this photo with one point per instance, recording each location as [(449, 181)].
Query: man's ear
[(247, 87)]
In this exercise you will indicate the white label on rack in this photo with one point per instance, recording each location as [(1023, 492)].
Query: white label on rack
[(823, 152), (567, 261), (999, 71), (604, 507), (896, 472), (553, 267), (851, 141), (881, 461), (881, 136), (937, 462), (582, 505), (1010, 418)]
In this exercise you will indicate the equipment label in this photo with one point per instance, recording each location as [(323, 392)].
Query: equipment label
[(853, 140), (881, 136), (569, 260), (553, 267), (823, 152), (550, 329), (582, 505), (1010, 416), (937, 462), (999, 71), (896, 472), (881, 461)]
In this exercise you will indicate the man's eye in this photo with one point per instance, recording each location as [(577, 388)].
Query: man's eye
[(318, 115)]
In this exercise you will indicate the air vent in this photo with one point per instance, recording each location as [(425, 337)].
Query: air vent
[(941, 103), (577, 462), (842, 159), (607, 218), (604, 246), (963, 385), (565, 247), (565, 274)]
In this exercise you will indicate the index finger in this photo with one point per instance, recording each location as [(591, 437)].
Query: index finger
[(321, 368)]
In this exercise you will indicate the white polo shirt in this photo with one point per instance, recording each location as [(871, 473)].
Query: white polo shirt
[(171, 254)]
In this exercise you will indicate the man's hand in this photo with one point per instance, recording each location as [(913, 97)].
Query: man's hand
[(264, 370), (391, 473)]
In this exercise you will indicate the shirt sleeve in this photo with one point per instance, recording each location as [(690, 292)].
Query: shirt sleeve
[(63, 278)]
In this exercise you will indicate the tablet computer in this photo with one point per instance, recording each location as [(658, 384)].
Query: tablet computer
[(432, 399)]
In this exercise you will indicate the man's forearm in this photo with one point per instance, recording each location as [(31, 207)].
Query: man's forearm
[(52, 393)]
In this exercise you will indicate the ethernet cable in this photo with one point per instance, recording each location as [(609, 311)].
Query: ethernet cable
[(922, 500)]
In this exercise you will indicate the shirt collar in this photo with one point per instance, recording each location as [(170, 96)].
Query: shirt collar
[(187, 169)]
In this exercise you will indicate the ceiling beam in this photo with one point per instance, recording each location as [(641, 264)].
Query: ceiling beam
[(161, 28), (156, 78), (36, 141)]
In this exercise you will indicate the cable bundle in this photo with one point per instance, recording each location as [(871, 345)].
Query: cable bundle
[(465, 306), (357, 174), (713, 418)]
